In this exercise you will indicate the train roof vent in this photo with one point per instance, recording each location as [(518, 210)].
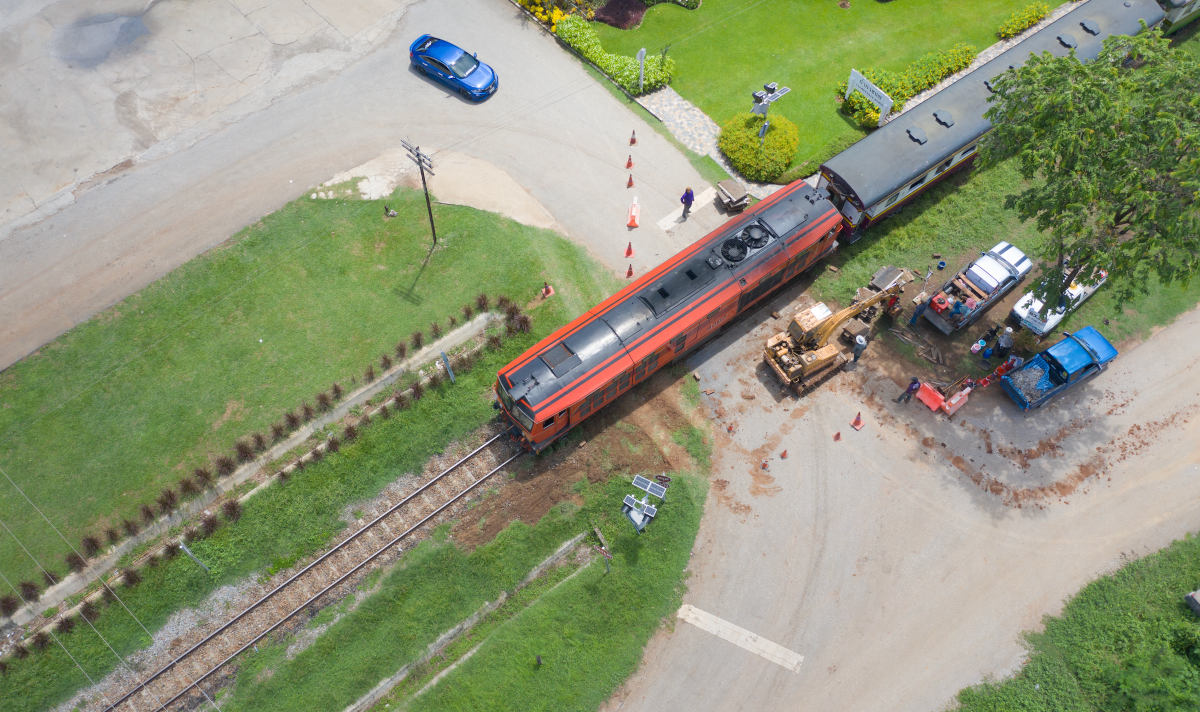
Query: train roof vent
[(734, 250), (755, 236), (1090, 27), (560, 359), (1067, 41), (916, 134), (714, 261), (943, 117)]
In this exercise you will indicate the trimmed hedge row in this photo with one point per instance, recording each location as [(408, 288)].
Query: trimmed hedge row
[(689, 4), (916, 77), (578, 34), (758, 159), (1023, 19)]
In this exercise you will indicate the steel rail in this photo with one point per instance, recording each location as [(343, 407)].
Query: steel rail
[(254, 606), (340, 579)]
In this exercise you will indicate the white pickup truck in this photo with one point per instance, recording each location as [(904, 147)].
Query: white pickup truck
[(1027, 311), (976, 287)]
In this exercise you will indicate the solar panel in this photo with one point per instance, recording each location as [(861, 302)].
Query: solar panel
[(649, 510), (642, 483), (631, 502), (657, 490)]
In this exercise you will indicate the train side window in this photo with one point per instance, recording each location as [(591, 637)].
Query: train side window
[(917, 183), (942, 168), (891, 199), (967, 151), (548, 423)]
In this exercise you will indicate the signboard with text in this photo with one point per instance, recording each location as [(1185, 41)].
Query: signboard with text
[(874, 94)]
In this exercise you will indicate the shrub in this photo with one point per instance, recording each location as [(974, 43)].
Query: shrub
[(323, 402), (170, 551), (350, 433), (494, 342), (232, 509), (369, 374), (385, 362), (1022, 20), (243, 450), (20, 652), (336, 391), (187, 486), (49, 577), (166, 500), (417, 390), (147, 513), (435, 378), (467, 312), (202, 476), (333, 444), (277, 432), (922, 74), (384, 412), (759, 159), (89, 612), (316, 455), (225, 466), (417, 339), (29, 591), (209, 524), (130, 527), (131, 577), (66, 625), (41, 640), (291, 420), (9, 605), (435, 329), (112, 535), (75, 562), (401, 350), (622, 14), (578, 34), (399, 400), (191, 535), (689, 4), (307, 411), (260, 442), (453, 321), (91, 545), (481, 302)]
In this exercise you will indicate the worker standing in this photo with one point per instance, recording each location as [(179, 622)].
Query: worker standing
[(860, 345), (913, 386), (1004, 344)]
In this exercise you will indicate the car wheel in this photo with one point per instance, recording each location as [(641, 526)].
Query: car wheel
[(464, 94)]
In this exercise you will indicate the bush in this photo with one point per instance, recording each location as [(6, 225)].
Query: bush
[(759, 160), (689, 4), (916, 77), (578, 34), (1023, 19)]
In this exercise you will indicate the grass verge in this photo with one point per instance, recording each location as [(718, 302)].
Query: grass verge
[(99, 421), (589, 630), (291, 521), (1125, 642)]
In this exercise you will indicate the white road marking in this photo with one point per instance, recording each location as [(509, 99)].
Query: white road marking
[(705, 197), (741, 637)]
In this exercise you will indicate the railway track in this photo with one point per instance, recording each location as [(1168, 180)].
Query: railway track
[(180, 682)]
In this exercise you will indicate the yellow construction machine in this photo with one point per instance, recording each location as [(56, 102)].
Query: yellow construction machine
[(805, 355)]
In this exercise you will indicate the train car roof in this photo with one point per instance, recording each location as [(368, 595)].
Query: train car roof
[(918, 139), (632, 314)]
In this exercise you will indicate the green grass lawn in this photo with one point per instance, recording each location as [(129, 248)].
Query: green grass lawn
[(1125, 642), (294, 519), (727, 49), (100, 420)]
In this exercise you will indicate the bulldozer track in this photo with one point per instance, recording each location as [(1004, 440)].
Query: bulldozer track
[(178, 683)]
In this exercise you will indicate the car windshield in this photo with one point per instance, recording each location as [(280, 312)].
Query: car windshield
[(464, 65)]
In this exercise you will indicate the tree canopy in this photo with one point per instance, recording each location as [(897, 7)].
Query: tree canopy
[(1111, 153)]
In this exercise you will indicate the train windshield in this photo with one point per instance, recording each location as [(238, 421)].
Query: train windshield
[(516, 410)]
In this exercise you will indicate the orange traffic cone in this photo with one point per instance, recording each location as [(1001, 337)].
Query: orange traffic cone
[(629, 250), (633, 138), (629, 163), (629, 272), (629, 183), (764, 464), (857, 423), (729, 428), (783, 455), (634, 211), (837, 436)]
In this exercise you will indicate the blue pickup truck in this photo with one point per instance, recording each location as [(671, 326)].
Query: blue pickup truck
[(1073, 360)]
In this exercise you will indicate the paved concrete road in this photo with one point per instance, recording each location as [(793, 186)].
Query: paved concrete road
[(551, 127), (877, 558)]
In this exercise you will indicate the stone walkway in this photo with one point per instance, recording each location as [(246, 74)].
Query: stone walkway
[(694, 129)]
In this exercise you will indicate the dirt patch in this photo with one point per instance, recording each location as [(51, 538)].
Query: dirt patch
[(633, 436), (233, 409)]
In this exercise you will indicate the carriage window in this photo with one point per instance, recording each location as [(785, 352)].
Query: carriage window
[(891, 199), (945, 165), (967, 151), (917, 183), (548, 423)]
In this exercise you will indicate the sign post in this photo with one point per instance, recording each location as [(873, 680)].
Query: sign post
[(875, 95), (641, 58)]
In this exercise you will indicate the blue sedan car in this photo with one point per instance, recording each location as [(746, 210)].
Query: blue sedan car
[(453, 66)]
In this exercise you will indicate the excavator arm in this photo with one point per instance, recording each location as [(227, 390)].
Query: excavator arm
[(829, 327)]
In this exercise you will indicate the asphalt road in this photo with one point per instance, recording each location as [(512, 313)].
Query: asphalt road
[(551, 127)]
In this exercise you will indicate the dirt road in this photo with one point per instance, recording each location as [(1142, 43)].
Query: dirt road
[(902, 569)]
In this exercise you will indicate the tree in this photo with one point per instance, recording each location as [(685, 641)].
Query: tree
[(1111, 154)]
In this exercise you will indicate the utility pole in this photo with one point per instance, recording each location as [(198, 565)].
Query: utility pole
[(424, 163)]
